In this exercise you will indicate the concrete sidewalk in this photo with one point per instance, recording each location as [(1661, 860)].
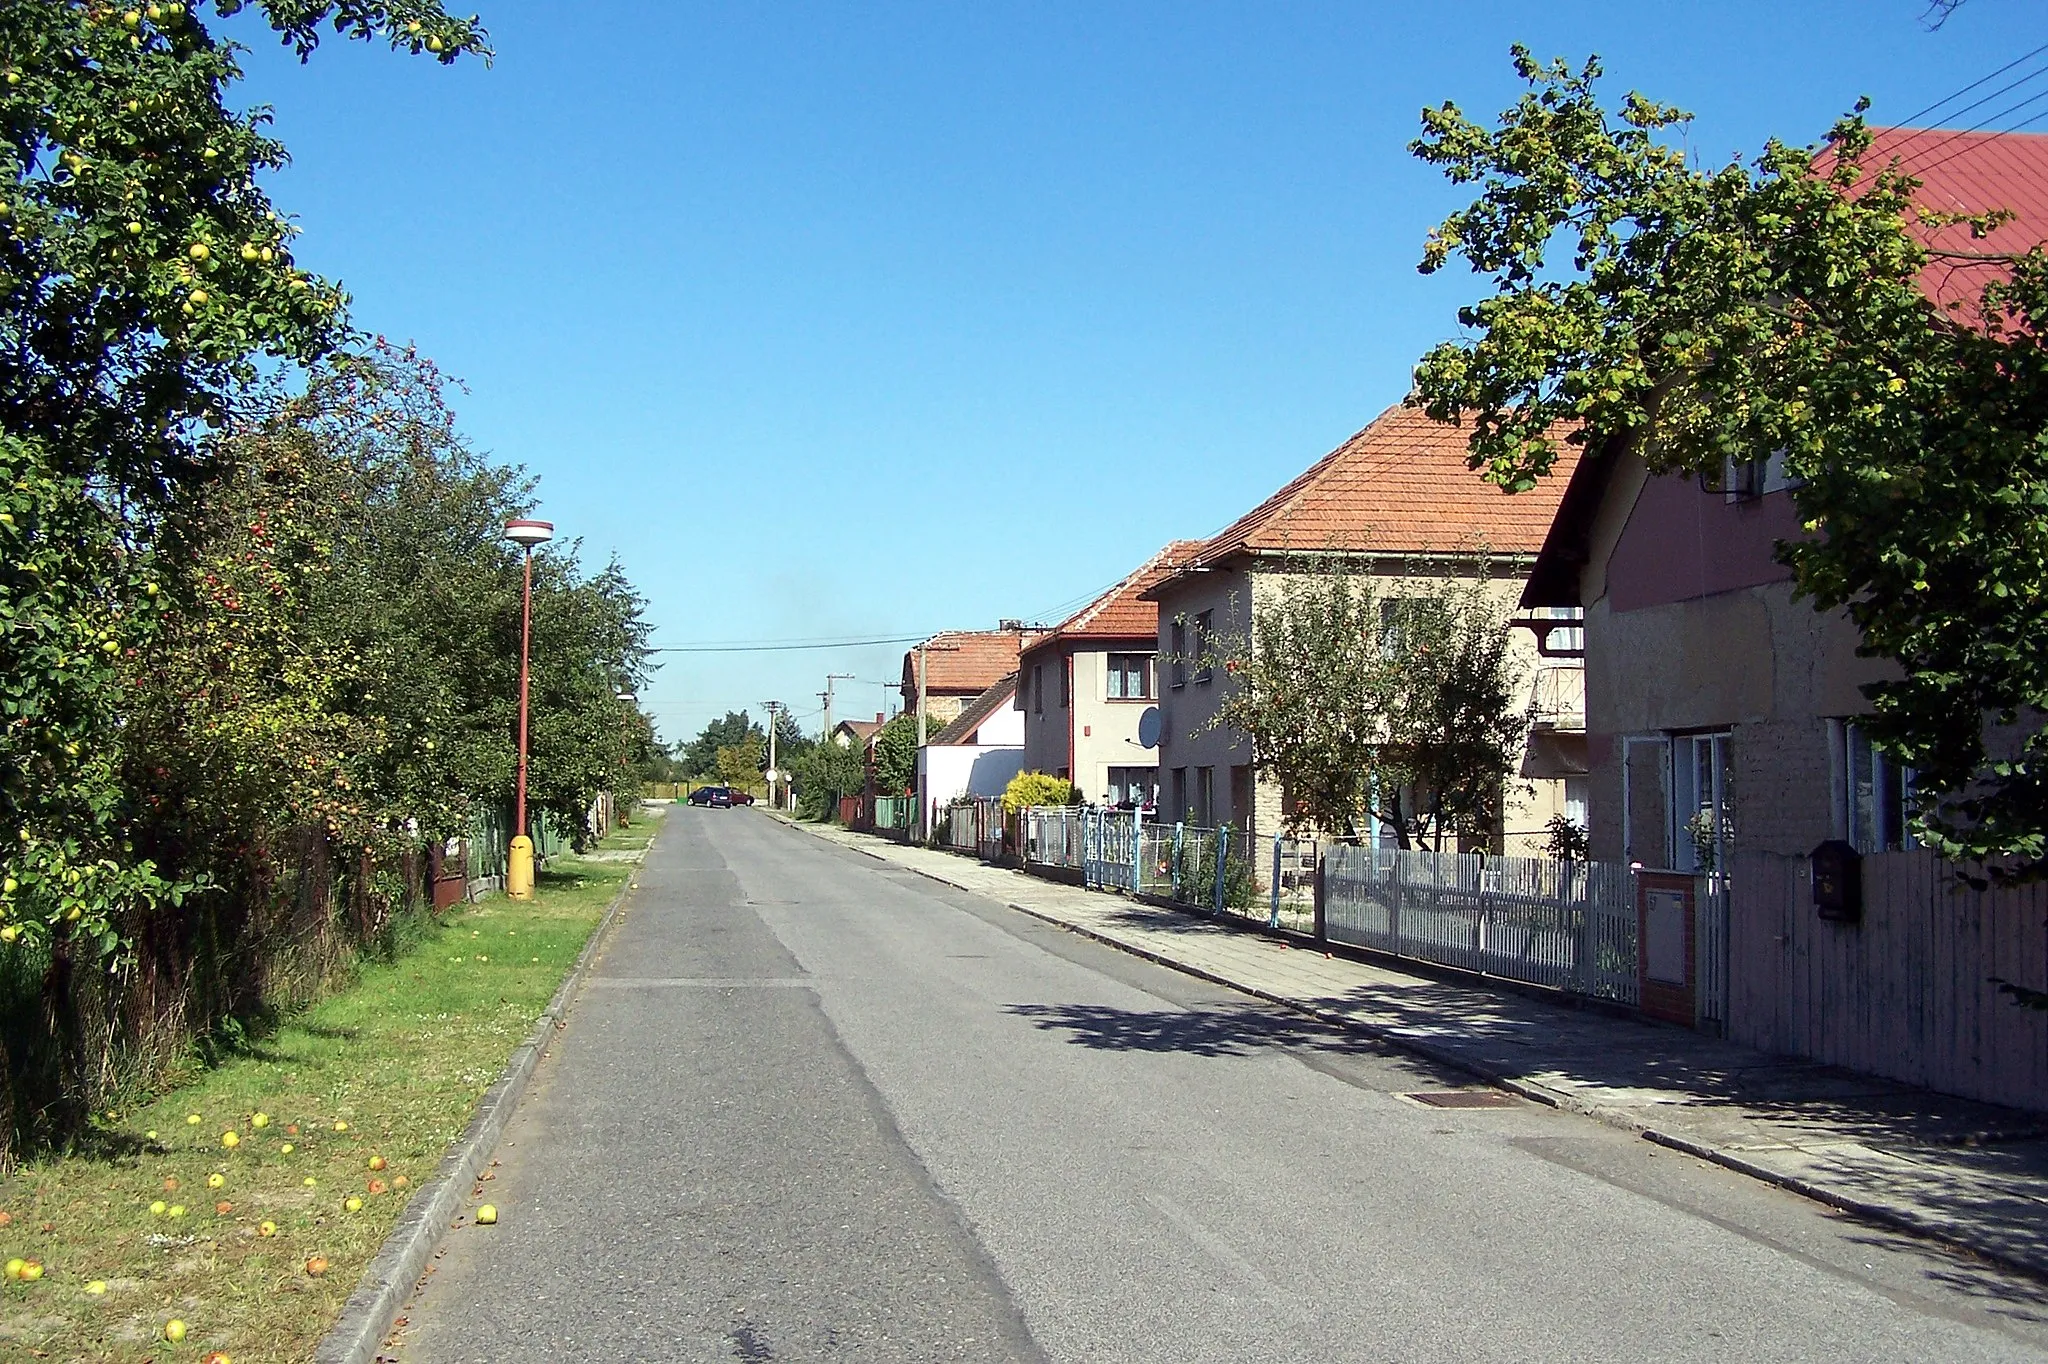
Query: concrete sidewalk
[(1971, 1175)]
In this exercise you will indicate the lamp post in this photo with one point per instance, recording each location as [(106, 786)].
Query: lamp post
[(519, 854)]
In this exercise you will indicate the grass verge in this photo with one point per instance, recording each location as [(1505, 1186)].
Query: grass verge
[(166, 1219)]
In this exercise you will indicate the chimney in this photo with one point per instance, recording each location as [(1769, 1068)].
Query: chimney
[(878, 717)]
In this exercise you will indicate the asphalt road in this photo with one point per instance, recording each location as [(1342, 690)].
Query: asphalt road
[(810, 1107)]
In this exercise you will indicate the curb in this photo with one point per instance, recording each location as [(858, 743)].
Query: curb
[(357, 1336), (1885, 1215)]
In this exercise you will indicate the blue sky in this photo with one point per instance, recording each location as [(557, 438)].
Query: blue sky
[(862, 320)]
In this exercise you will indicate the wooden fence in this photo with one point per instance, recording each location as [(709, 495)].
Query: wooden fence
[(1908, 992)]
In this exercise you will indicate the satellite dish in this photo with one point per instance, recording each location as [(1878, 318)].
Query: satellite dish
[(1148, 727)]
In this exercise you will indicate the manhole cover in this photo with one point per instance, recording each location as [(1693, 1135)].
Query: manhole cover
[(1464, 1098)]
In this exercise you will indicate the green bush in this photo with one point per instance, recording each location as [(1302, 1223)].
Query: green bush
[(1037, 788)]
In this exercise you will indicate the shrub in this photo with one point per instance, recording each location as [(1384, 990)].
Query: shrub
[(1037, 788)]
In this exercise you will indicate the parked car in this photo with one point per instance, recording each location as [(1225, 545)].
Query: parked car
[(716, 797), (739, 797)]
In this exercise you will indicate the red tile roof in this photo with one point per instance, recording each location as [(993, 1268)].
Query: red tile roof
[(964, 662), (1971, 173), (1400, 486), (1124, 612)]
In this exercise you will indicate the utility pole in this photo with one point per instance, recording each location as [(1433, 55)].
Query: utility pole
[(830, 678), (774, 709)]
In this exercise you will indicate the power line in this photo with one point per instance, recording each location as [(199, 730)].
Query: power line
[(2023, 57), (1920, 172), (770, 646)]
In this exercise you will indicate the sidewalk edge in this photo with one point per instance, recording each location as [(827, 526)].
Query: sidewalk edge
[(357, 1336)]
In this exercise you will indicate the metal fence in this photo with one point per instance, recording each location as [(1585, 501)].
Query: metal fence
[(973, 826), (1567, 925), (893, 814), (1053, 836)]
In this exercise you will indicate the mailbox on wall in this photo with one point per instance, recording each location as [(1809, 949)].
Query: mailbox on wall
[(1838, 881)]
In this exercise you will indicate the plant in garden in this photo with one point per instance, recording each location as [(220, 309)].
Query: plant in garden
[(825, 773), (1027, 789), (1781, 307), (1400, 705)]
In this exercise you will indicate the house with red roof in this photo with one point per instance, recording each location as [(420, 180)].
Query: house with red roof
[(977, 752), (955, 666), (1088, 690), (1395, 500), (1724, 744)]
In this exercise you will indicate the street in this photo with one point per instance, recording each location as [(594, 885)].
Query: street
[(811, 1107)]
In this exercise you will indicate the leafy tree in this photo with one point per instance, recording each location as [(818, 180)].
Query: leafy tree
[(896, 753), (1400, 707), (1027, 789), (826, 772), (740, 764), (700, 755), (145, 281), (1700, 316)]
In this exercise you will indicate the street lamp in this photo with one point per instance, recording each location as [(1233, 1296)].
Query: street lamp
[(519, 854)]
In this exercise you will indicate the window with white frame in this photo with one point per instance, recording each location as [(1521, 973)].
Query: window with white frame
[(1133, 786), (1130, 677)]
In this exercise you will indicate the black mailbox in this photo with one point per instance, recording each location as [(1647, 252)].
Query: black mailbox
[(1838, 881)]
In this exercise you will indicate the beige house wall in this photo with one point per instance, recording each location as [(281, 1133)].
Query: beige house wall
[(1187, 713)]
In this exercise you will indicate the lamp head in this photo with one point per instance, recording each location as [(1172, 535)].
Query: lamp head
[(527, 534)]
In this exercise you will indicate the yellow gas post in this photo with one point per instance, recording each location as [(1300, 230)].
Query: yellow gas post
[(519, 869)]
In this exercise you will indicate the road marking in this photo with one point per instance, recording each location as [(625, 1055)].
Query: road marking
[(702, 982), (1279, 1298)]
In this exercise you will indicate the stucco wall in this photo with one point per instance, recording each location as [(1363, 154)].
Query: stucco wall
[(1187, 741), (1688, 655)]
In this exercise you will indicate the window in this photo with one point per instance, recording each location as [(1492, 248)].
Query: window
[(1180, 651), (1038, 688), (1397, 617), (1741, 480), (1205, 630), (1874, 794), (1205, 795), (1130, 677), (1700, 806), (1180, 793), (1133, 786)]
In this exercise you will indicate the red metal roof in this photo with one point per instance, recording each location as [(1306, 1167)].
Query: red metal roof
[(1971, 173)]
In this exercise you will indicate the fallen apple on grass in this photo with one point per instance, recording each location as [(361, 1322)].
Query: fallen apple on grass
[(231, 1139), (317, 1266), (376, 1186), (352, 1203), (15, 1266), (400, 1182), (96, 1288), (286, 1149), (31, 1270), (174, 1330), (158, 1208), (487, 1215), (216, 1180), (266, 1229), (176, 1210), (259, 1120), (376, 1162), (223, 1208), (340, 1126)]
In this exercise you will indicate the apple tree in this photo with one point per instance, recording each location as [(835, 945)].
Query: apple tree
[(144, 279)]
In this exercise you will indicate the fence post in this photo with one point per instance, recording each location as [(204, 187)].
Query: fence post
[(1222, 860), (1273, 920), (1180, 830), (1137, 849), (1322, 922)]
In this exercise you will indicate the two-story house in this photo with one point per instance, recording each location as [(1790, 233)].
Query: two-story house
[(955, 666), (1396, 499), (1089, 691)]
